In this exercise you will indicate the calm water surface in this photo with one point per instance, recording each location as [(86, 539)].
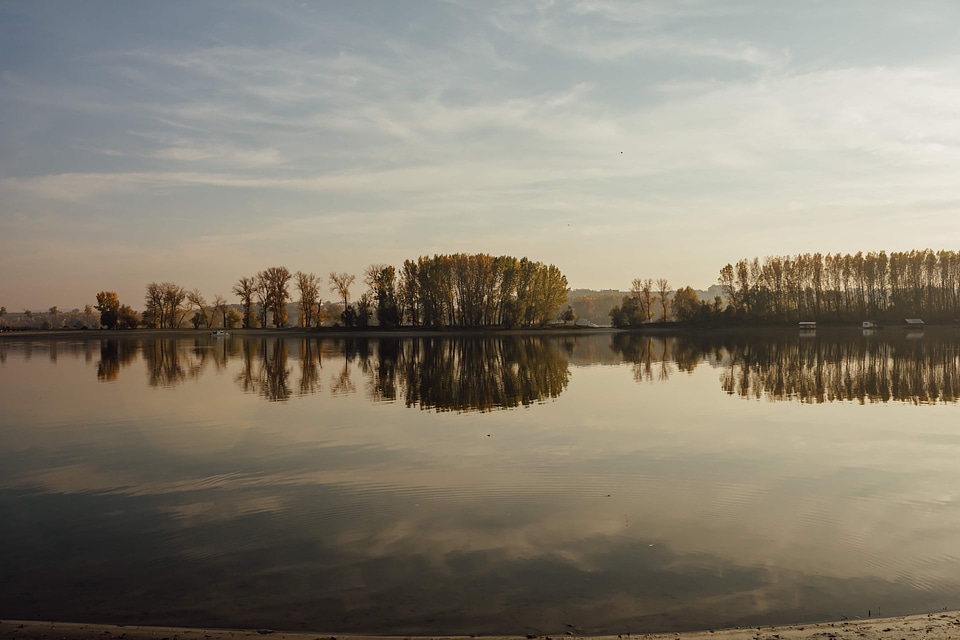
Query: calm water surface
[(610, 483)]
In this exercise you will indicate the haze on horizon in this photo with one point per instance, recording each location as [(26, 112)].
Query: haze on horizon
[(198, 142)]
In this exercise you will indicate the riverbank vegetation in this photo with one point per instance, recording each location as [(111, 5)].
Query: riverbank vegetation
[(459, 290), (831, 288), (479, 290)]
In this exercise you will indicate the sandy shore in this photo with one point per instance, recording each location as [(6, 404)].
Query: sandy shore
[(934, 626)]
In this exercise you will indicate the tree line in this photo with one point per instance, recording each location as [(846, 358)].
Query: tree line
[(845, 287), (459, 290), (477, 290), (833, 288), (53, 318)]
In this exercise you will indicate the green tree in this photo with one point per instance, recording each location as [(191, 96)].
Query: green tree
[(127, 318), (630, 313), (108, 304), (231, 318), (382, 280), (364, 307), (686, 305)]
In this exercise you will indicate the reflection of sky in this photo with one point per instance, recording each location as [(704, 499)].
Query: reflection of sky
[(617, 505)]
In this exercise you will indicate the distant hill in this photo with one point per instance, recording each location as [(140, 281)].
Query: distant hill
[(594, 305), (711, 293), (580, 293)]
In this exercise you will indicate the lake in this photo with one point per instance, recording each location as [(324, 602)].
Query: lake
[(605, 483)]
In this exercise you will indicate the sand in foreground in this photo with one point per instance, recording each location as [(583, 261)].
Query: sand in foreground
[(934, 626)]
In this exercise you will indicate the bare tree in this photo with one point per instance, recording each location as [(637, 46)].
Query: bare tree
[(246, 289), (261, 288), (663, 288), (643, 293), (308, 285), (195, 298), (276, 280), (173, 297), (219, 306), (340, 284), (153, 314)]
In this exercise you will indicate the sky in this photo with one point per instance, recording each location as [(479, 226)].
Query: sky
[(199, 142)]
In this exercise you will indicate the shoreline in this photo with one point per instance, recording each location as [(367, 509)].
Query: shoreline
[(419, 332), (932, 626), (297, 332)]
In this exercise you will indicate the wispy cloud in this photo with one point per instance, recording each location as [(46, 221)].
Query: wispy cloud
[(606, 31), (615, 118)]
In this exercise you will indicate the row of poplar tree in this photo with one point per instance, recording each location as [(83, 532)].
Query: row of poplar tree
[(831, 288), (460, 290), (845, 287)]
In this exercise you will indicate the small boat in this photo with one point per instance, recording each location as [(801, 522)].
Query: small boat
[(219, 334)]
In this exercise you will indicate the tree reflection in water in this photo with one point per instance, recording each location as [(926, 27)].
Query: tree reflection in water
[(114, 354), (445, 374), (311, 361), (265, 371), (170, 361), (383, 381), (453, 374), (653, 357), (483, 374), (786, 367), (864, 371), (450, 374), (341, 382)]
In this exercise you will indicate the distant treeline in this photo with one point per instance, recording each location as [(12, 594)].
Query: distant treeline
[(53, 318), (480, 290), (830, 288), (460, 290), (846, 287)]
